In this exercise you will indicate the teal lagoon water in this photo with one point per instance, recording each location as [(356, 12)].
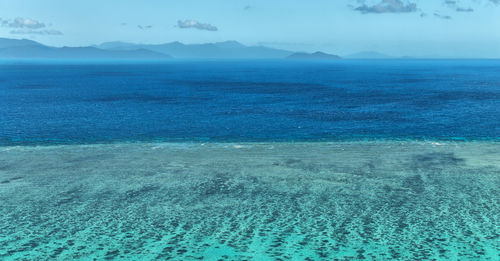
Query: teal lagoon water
[(377, 200)]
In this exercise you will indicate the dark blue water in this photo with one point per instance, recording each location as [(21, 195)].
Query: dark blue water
[(249, 101)]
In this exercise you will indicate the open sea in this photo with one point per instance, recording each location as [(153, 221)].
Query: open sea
[(250, 160)]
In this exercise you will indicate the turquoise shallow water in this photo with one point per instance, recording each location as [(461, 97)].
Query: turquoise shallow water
[(260, 201)]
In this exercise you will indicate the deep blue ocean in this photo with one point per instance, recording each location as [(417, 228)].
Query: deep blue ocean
[(72, 103)]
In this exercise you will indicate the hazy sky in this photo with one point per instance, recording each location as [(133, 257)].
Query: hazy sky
[(445, 28)]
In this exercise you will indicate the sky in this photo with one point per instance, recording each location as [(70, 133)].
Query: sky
[(419, 28)]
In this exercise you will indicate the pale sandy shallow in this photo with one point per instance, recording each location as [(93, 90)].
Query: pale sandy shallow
[(260, 201)]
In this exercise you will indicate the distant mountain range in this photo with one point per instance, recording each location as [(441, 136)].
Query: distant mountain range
[(28, 49), (221, 50)]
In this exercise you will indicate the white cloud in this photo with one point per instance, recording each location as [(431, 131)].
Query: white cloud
[(23, 23), (387, 6), (455, 6), (195, 24)]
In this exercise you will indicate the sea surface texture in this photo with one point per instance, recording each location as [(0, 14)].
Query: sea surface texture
[(249, 100), (250, 160)]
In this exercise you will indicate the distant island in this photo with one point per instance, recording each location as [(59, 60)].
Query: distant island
[(313, 56)]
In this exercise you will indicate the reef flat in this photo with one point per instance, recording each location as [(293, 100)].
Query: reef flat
[(261, 201)]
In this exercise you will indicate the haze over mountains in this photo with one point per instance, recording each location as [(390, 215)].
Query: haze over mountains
[(313, 56), (369, 55), (28, 49), (221, 50)]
